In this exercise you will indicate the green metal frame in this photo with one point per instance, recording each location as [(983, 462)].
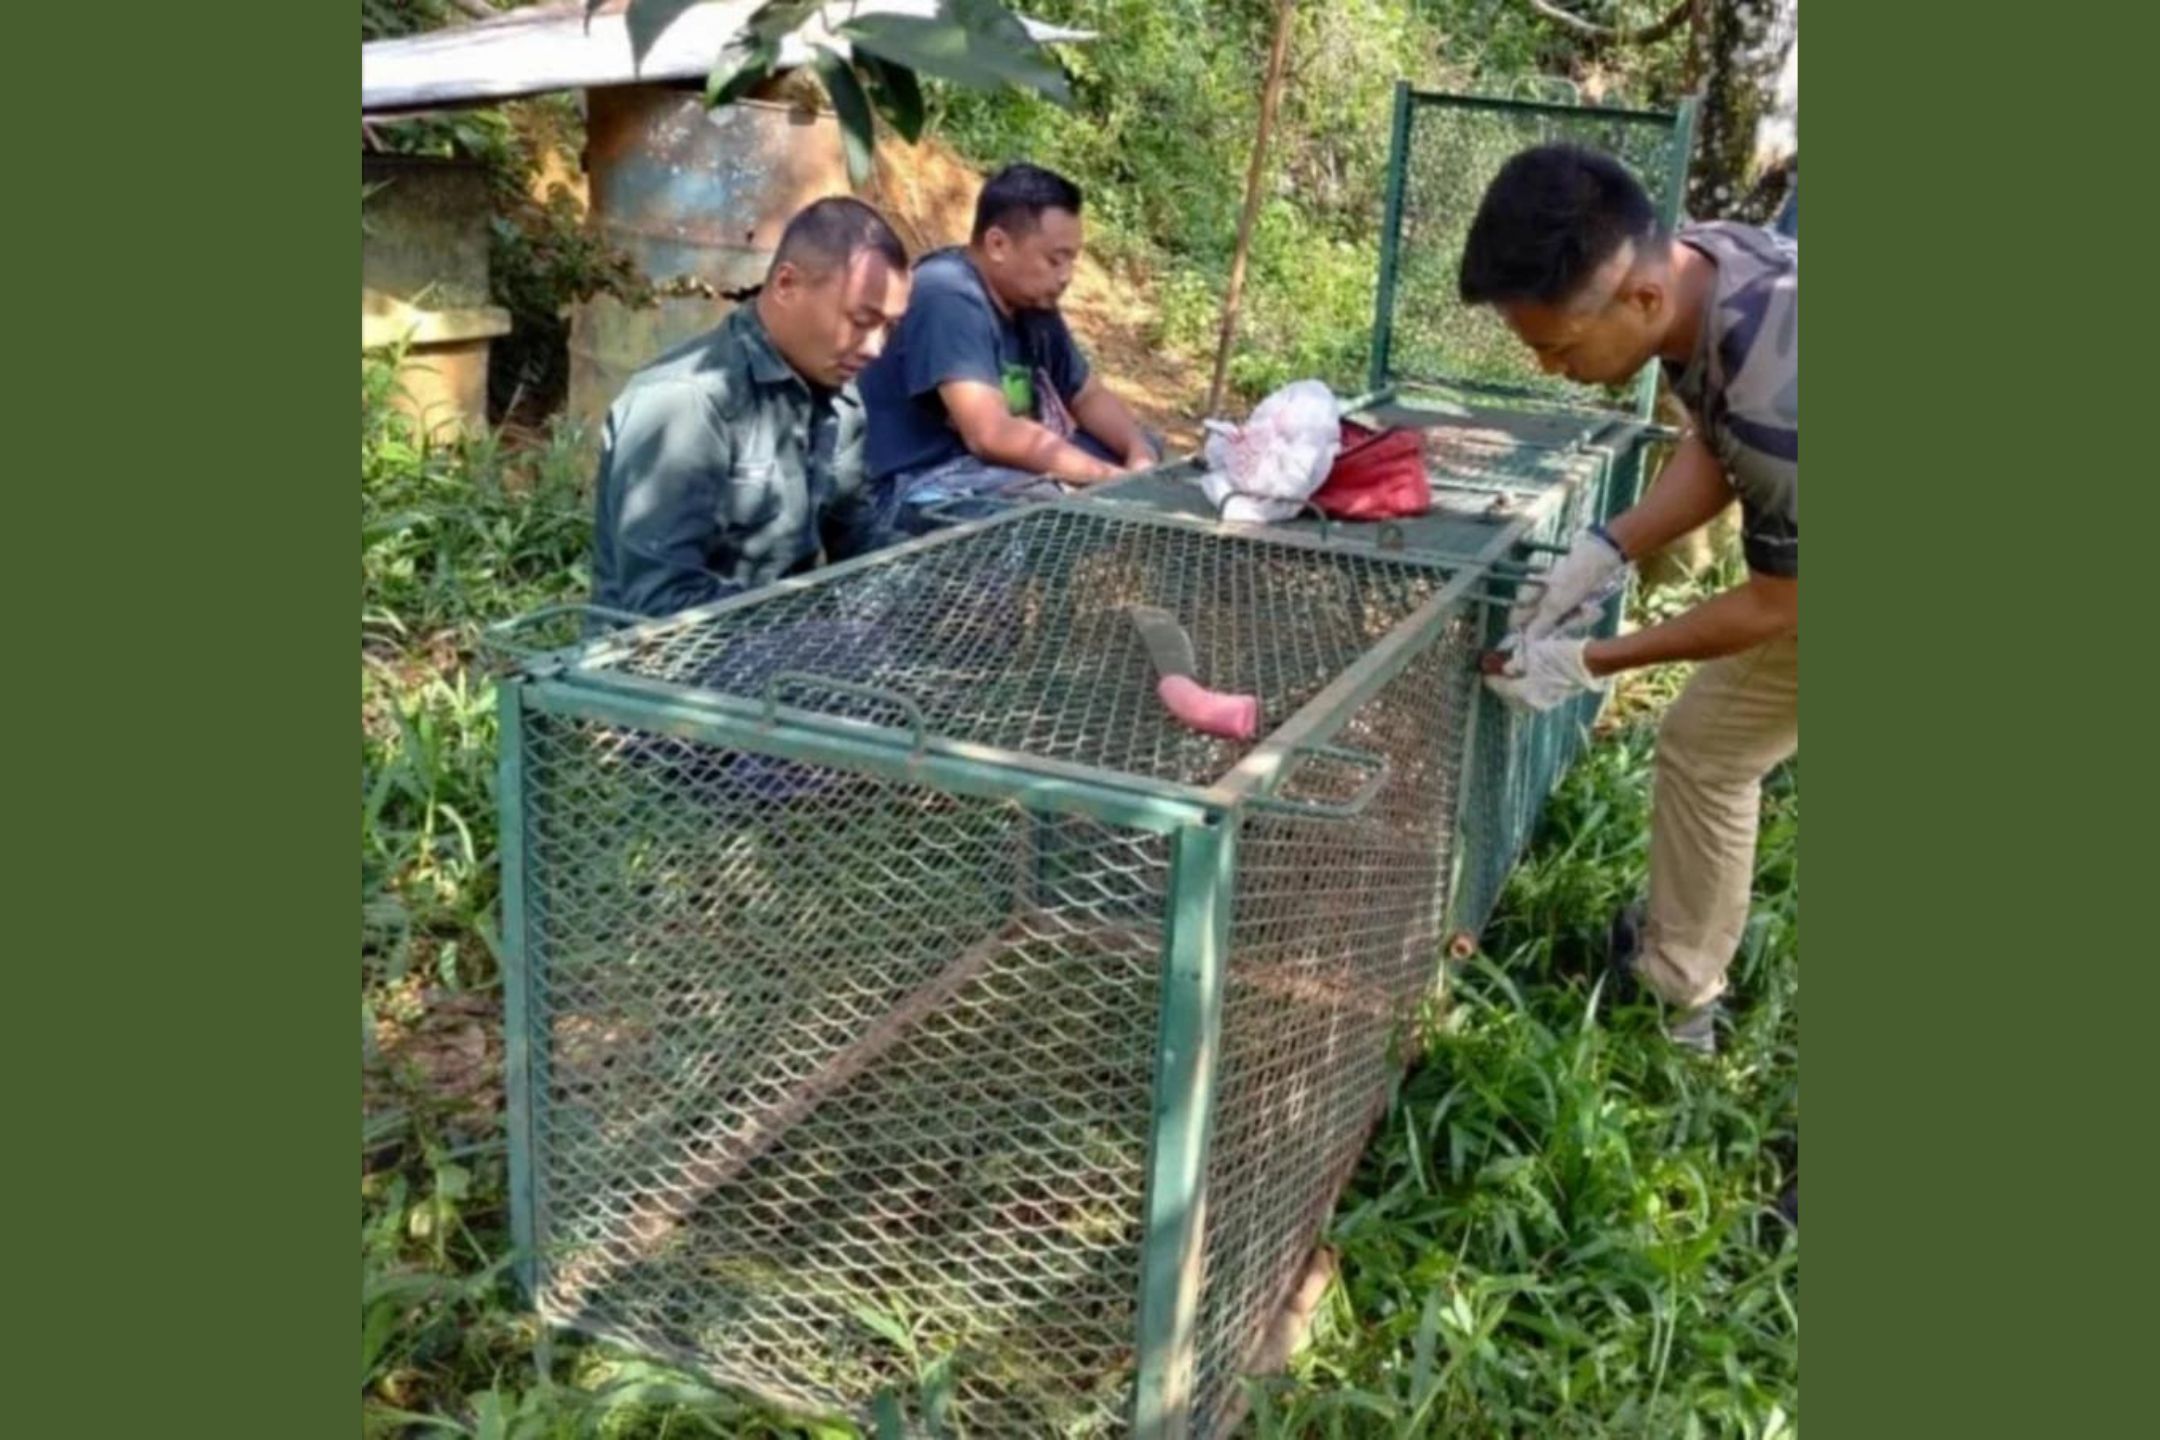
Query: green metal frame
[(1381, 375), (1378, 377), (1201, 886), (816, 739), (517, 981)]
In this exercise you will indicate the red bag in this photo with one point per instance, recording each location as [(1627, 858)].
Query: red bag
[(1378, 475)]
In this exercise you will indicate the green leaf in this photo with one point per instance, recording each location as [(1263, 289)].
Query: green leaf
[(494, 1423), (378, 1323), (886, 1327), (891, 1424), (647, 19), (857, 128), (937, 1393), (739, 67), (1421, 1348), (895, 92), (970, 42)]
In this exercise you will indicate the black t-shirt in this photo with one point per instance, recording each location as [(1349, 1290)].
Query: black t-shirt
[(952, 331)]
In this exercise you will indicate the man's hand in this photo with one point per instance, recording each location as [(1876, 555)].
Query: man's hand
[(1592, 572), (1763, 609), (1539, 674), (1093, 471), (993, 434), (1099, 412)]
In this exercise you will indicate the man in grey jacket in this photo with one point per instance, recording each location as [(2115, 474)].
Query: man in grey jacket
[(736, 459)]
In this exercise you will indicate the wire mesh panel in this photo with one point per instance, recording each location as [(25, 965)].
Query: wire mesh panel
[(811, 1068), (1334, 941), (1448, 148), (1016, 636), (1517, 758)]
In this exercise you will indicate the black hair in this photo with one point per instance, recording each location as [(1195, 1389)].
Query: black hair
[(1014, 199), (826, 234), (1550, 218)]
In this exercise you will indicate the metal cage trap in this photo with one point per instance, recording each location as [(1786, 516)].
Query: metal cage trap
[(897, 993)]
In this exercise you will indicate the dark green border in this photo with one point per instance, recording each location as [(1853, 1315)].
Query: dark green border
[(181, 1035), (182, 1052), (1979, 655)]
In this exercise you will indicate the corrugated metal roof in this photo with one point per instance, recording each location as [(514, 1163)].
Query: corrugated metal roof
[(549, 47)]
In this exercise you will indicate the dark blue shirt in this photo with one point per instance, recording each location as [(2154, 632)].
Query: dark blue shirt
[(952, 331)]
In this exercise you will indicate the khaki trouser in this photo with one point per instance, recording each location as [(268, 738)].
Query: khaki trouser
[(1737, 718)]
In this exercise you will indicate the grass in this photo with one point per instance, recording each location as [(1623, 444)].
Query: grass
[(1565, 1226), (1562, 1227)]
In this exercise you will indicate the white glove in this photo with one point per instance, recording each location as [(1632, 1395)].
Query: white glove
[(1575, 589), (1543, 673)]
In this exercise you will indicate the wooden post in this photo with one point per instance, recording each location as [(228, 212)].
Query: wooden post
[(1269, 94)]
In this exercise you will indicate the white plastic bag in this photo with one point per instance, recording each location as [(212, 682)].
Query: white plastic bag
[(1265, 469)]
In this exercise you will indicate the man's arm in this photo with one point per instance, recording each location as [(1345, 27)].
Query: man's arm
[(1766, 607), (1103, 415), (671, 457), (1688, 494), (1693, 490), (993, 433)]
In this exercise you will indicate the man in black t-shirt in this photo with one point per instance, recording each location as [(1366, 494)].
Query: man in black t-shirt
[(982, 389)]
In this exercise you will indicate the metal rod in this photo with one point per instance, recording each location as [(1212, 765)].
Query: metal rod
[(1681, 141), (978, 770), (1201, 870), (1270, 93), (517, 987), (1366, 401), (1390, 239), (1282, 534), (1542, 107), (1264, 766)]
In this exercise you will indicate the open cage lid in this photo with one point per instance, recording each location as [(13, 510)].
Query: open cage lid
[(1445, 151)]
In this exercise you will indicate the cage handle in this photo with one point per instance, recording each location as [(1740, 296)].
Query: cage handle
[(497, 638), (879, 693), (1327, 521), (1327, 525), (1377, 769)]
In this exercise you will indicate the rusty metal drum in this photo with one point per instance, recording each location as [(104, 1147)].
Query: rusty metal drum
[(698, 198)]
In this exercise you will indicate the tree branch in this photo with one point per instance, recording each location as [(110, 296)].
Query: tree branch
[(477, 9), (1610, 34)]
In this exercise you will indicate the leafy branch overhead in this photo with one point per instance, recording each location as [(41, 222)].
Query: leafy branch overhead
[(870, 58)]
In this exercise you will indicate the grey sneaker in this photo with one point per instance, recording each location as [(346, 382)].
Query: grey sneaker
[(1694, 1030)]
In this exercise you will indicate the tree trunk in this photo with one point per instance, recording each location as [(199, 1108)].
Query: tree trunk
[(1736, 49)]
